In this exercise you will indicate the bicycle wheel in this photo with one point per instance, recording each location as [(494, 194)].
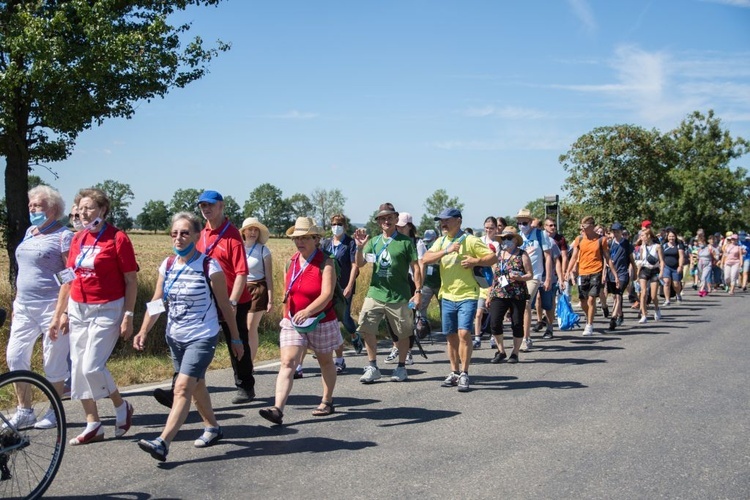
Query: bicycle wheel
[(29, 456)]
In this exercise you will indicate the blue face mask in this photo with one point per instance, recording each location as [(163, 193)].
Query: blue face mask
[(37, 218), (186, 251), (509, 244)]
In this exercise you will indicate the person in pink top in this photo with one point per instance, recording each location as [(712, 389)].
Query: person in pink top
[(95, 307), (731, 261)]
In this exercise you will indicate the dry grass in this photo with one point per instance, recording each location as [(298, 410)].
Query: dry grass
[(131, 367)]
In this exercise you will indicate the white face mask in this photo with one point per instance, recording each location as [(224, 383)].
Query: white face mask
[(337, 230), (77, 225), (94, 224), (509, 245), (525, 229)]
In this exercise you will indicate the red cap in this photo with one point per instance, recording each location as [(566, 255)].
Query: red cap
[(645, 224)]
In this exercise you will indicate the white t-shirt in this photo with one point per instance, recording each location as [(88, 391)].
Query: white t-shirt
[(492, 244), (536, 254), (39, 258), (192, 313), (256, 268)]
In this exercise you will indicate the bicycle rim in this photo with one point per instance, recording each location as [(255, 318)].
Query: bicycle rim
[(29, 456)]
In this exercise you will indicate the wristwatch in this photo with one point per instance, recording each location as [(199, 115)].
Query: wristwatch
[(418, 290), (233, 302)]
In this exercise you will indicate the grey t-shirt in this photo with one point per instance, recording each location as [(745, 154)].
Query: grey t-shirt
[(39, 258)]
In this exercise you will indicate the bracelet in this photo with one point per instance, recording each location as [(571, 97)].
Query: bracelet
[(237, 341), (129, 314)]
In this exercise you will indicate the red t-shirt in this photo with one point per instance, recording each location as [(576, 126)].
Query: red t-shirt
[(306, 287), (224, 244), (100, 265)]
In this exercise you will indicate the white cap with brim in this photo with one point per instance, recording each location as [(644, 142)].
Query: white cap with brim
[(309, 324)]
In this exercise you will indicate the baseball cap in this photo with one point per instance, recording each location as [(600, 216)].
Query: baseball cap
[(645, 224), (448, 213), (404, 218), (429, 235), (617, 227), (210, 197)]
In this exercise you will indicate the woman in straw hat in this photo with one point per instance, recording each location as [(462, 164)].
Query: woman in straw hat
[(509, 292), (259, 276), (309, 319)]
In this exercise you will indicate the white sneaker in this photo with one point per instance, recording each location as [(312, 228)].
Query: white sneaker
[(588, 330), (463, 382), (643, 320), (393, 356), (493, 343), (22, 419), (667, 302), (524, 346), (371, 375), (399, 374), (657, 315), (48, 421), (451, 380), (409, 359)]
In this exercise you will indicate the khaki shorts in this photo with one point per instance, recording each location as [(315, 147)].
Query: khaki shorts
[(532, 286), (398, 315)]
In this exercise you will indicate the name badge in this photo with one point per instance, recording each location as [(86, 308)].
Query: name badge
[(64, 276), (155, 307), (430, 270), (503, 281), (579, 281), (370, 257)]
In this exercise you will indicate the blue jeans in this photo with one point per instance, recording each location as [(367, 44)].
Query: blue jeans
[(458, 315)]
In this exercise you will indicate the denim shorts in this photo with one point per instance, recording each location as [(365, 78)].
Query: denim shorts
[(548, 297), (671, 273), (458, 315), (192, 358)]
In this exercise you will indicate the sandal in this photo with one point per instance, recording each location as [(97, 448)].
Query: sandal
[(325, 409), (272, 414)]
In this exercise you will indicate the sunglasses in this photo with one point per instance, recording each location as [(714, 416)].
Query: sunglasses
[(74, 216), (507, 238), (175, 234), (523, 223)]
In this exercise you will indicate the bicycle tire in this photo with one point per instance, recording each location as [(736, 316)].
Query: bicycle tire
[(30, 457)]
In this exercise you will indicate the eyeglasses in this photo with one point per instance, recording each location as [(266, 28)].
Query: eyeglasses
[(523, 223), (302, 238), (74, 216), (175, 234), (507, 238), (550, 224)]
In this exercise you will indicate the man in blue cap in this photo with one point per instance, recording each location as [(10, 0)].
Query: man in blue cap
[(222, 241), (458, 253)]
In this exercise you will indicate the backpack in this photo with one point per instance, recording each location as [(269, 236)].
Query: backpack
[(338, 300), (567, 319)]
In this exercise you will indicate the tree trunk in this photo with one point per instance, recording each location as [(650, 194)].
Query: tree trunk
[(16, 201)]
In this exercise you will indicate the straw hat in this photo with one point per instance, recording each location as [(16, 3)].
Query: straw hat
[(254, 222), (524, 213), (304, 226), (510, 231)]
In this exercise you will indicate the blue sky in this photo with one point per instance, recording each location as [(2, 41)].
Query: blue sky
[(391, 100)]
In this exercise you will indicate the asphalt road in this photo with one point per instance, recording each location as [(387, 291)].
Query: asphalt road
[(660, 410)]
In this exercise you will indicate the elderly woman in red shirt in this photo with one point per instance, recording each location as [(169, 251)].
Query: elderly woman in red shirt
[(95, 306), (309, 319)]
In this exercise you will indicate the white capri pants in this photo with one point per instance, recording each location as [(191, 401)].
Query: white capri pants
[(731, 272), (28, 323), (94, 331)]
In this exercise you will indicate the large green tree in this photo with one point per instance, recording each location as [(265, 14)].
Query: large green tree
[(266, 203), (232, 210), (433, 205), (185, 200), (618, 173), (68, 64), (326, 203), (155, 216), (706, 191), (120, 195)]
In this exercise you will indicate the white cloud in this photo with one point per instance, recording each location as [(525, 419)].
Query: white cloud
[(732, 3), (660, 88), (535, 142), (583, 12)]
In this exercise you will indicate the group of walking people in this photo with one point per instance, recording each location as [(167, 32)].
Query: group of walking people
[(77, 290)]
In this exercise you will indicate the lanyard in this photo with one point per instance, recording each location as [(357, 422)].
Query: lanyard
[(385, 245), (504, 263), (460, 236), (210, 248), (47, 230), (166, 289), (80, 247), (251, 251), (296, 275)]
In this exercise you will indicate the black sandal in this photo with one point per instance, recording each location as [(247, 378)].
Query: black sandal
[(272, 414), (327, 409)]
